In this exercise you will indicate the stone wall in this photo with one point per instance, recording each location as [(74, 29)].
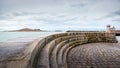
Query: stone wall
[(51, 51), (66, 38)]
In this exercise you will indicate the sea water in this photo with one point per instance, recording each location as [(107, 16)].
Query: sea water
[(4, 36), (118, 38)]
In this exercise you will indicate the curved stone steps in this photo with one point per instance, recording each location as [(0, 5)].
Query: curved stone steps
[(81, 40), (42, 43), (52, 52), (65, 54), (45, 54), (34, 50), (53, 57), (60, 53), (64, 48)]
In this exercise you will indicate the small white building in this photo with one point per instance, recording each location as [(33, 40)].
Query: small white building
[(110, 29)]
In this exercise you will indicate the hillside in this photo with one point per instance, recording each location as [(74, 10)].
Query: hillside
[(26, 30)]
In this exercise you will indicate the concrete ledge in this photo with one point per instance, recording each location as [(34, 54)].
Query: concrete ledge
[(28, 57)]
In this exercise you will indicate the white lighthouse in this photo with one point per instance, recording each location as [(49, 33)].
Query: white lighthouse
[(110, 29)]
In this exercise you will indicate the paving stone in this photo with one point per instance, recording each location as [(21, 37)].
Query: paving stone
[(95, 55)]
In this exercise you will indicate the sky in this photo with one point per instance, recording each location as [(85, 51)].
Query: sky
[(59, 14)]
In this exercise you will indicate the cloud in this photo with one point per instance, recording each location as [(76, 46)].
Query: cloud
[(116, 13), (79, 5), (117, 20), (46, 14)]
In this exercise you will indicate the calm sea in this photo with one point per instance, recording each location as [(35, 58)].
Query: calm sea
[(118, 38), (4, 36)]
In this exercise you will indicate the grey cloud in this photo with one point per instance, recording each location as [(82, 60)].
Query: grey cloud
[(27, 13), (6, 17), (84, 3), (13, 14), (110, 15), (56, 12), (116, 20), (78, 5), (116, 12)]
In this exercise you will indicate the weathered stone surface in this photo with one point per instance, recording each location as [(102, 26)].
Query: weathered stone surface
[(95, 55), (38, 52), (85, 38), (16, 53)]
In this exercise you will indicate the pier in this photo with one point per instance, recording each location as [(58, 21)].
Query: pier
[(117, 32), (57, 51)]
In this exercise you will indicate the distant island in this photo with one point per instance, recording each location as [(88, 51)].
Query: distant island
[(26, 30), (32, 30)]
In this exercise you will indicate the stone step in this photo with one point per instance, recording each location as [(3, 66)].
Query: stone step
[(38, 49), (45, 54), (53, 57), (63, 49), (55, 47), (65, 53)]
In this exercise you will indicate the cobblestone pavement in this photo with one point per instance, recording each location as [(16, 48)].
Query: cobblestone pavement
[(95, 55)]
